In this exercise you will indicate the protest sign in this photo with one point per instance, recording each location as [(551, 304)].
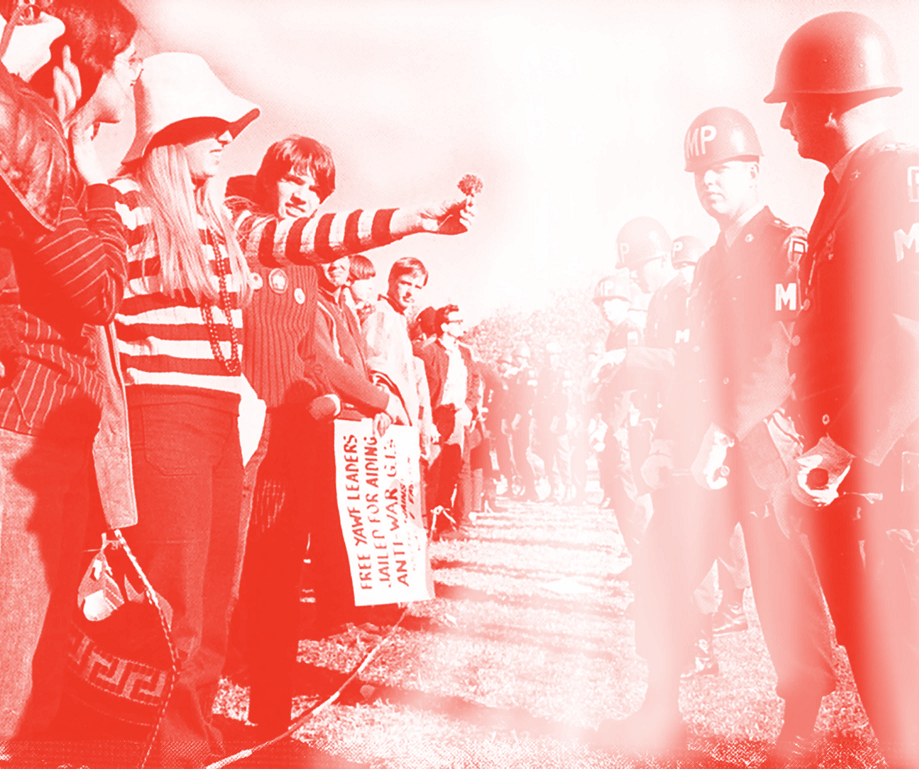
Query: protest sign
[(378, 484)]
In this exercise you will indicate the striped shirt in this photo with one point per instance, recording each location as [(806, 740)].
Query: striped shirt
[(283, 302), (164, 340), (65, 279)]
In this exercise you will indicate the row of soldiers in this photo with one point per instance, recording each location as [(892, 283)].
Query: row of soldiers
[(776, 389), (779, 392)]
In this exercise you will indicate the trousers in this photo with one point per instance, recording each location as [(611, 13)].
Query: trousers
[(687, 531), (188, 479)]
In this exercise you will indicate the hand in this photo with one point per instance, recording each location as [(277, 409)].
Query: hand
[(658, 467), (67, 87), (709, 468), (381, 423), (819, 473), (30, 45), (448, 218)]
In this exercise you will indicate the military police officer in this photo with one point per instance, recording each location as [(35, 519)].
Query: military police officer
[(855, 360), (729, 388)]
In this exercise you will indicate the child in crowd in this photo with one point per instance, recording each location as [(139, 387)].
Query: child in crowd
[(360, 284)]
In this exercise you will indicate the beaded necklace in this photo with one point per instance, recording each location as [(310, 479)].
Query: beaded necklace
[(233, 365)]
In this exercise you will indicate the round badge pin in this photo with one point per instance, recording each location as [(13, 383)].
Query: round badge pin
[(278, 280), (255, 280), (299, 295)]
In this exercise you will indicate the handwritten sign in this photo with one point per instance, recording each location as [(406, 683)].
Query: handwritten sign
[(378, 484)]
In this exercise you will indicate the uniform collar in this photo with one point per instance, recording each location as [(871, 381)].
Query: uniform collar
[(736, 227), (839, 170)]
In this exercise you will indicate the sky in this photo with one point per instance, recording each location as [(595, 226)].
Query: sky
[(572, 113)]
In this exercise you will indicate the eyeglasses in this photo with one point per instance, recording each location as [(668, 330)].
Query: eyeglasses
[(135, 64)]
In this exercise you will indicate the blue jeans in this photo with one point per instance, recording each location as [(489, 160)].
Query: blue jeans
[(188, 477)]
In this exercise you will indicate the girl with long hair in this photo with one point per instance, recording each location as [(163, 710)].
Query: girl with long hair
[(179, 343)]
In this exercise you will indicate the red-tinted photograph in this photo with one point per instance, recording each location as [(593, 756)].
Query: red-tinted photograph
[(459, 385)]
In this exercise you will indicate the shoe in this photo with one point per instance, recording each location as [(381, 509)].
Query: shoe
[(647, 730), (729, 618)]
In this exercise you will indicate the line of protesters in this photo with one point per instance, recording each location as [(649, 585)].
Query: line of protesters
[(172, 361), (154, 337)]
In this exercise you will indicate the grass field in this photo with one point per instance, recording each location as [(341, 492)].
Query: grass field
[(526, 648)]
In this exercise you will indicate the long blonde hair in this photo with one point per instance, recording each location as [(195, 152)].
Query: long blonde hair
[(174, 202)]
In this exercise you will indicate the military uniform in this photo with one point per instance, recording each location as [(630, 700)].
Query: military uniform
[(855, 369), (733, 374)]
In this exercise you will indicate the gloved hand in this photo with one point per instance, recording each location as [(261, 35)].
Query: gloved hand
[(659, 464), (708, 468), (820, 471)]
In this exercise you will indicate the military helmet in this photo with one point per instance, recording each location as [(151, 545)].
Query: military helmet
[(522, 350), (615, 286), (717, 135), (841, 52), (640, 240), (687, 249)]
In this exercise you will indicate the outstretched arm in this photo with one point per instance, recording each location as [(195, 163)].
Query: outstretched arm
[(322, 238)]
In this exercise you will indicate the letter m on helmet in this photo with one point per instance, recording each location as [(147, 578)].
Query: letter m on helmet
[(698, 138)]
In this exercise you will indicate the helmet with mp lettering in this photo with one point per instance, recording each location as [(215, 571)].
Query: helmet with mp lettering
[(687, 249), (640, 240), (615, 286), (837, 53), (717, 135)]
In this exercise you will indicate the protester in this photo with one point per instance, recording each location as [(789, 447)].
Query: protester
[(360, 286), (453, 382), (66, 278), (279, 227), (178, 336)]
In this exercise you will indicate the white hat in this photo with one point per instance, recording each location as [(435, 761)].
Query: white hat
[(180, 86)]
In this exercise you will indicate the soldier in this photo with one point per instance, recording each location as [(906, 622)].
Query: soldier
[(728, 390), (854, 360), (687, 250), (613, 403), (521, 398), (553, 388)]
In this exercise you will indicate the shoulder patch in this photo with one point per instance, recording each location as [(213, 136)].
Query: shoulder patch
[(796, 248), (912, 184)]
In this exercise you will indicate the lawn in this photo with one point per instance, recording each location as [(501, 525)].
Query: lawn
[(526, 648)]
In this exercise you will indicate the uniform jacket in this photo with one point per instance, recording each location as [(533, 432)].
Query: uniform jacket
[(552, 389), (856, 346), (734, 373), (648, 368)]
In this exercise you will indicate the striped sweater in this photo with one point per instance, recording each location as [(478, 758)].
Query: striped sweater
[(164, 340), (283, 306)]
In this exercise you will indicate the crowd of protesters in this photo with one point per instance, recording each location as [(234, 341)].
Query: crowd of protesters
[(173, 360)]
